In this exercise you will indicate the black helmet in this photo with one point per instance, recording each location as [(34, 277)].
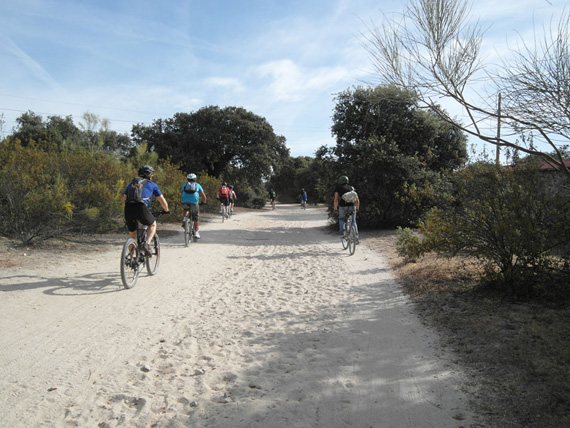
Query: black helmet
[(146, 170), (343, 179)]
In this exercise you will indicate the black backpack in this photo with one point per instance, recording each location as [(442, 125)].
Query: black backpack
[(190, 187), (134, 194)]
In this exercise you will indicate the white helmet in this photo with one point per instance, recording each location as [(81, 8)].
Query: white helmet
[(191, 176)]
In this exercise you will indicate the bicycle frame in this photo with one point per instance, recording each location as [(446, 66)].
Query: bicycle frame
[(133, 256)]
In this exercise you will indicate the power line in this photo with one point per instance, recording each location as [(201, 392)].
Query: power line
[(78, 104)]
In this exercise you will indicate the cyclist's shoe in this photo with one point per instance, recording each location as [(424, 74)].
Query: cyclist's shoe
[(147, 250), (357, 240), (197, 235)]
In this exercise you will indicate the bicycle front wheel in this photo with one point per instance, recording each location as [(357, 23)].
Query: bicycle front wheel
[(130, 263), (351, 240), (153, 261), (344, 240)]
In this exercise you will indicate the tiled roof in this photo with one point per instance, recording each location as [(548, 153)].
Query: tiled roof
[(549, 166)]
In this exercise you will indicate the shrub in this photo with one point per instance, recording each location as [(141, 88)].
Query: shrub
[(410, 245), (35, 203), (507, 219)]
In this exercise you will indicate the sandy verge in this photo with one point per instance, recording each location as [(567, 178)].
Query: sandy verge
[(266, 322)]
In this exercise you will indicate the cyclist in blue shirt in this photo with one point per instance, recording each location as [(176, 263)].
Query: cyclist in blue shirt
[(190, 198), (140, 211), (303, 197)]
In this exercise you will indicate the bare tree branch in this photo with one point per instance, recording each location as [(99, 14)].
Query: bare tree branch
[(434, 50)]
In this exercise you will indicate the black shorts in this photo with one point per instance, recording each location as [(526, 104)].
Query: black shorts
[(225, 200), (137, 213)]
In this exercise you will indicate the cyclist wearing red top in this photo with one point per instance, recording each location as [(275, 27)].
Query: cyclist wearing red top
[(224, 195)]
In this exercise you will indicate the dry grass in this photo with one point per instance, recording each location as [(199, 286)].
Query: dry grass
[(517, 353)]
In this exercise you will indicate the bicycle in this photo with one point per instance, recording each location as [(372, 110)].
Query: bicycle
[(304, 204), (189, 230), (225, 214), (349, 235), (133, 256)]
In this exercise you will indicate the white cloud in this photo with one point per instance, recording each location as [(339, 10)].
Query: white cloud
[(225, 83), (23, 64)]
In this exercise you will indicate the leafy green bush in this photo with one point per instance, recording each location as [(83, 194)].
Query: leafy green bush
[(509, 218), (211, 185), (94, 181), (35, 203), (410, 245)]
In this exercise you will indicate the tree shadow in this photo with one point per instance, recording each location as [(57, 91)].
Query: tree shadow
[(93, 283)]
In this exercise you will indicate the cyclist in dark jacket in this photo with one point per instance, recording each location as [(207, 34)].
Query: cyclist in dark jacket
[(343, 207), (140, 211)]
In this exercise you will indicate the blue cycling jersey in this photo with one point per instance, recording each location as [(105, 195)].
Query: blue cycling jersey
[(191, 198), (149, 190)]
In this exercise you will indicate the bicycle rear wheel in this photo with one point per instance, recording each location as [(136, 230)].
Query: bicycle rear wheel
[(130, 264), (187, 232), (153, 262), (351, 240)]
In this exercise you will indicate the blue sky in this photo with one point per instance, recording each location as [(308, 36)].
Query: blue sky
[(133, 61)]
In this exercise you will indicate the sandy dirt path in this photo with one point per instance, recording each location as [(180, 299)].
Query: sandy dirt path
[(266, 322)]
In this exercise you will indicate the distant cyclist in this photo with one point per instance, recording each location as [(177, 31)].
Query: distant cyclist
[(233, 197), (224, 195), (272, 198), (303, 198), (190, 198), (343, 206), (139, 210)]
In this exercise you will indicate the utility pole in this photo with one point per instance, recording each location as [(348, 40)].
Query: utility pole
[(498, 152)]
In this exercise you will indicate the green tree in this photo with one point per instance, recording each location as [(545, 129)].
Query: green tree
[(390, 113), (297, 173), (230, 143), (30, 127), (61, 134), (395, 155)]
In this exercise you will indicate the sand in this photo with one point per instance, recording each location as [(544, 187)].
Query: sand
[(265, 322)]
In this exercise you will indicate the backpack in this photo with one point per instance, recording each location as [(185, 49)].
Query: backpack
[(134, 193), (350, 197), (224, 191), (190, 187)]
